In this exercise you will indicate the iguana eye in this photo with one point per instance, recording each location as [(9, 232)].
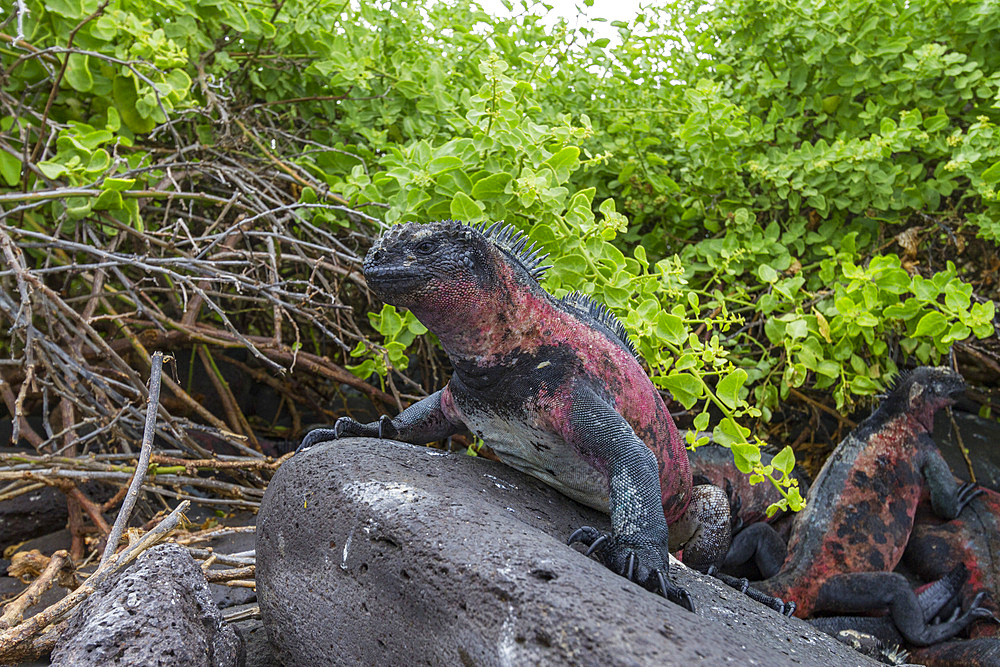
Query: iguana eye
[(425, 248)]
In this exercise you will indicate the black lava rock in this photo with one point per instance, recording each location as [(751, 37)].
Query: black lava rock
[(376, 552), (158, 612)]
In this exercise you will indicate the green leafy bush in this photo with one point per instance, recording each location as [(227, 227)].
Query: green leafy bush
[(730, 180)]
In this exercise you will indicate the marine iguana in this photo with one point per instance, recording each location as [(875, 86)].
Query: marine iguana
[(758, 541), (860, 512), (554, 387)]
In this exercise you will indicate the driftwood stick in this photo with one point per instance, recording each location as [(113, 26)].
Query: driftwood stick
[(139, 476), (219, 576), (14, 612), (92, 509)]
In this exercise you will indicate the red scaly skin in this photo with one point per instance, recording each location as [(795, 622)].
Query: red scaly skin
[(973, 539)]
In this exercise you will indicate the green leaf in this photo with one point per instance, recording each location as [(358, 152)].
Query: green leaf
[(10, 168), (126, 97), (439, 165), (117, 184), (564, 161), (992, 174), (931, 324), (935, 123), (670, 328), (784, 461), (78, 73), (766, 273), (686, 388), (701, 421), (491, 187), (71, 9), (465, 209), (728, 389), (745, 456), (109, 200), (52, 170)]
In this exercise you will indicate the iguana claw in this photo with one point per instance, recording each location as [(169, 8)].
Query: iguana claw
[(316, 436), (628, 561), (966, 493)]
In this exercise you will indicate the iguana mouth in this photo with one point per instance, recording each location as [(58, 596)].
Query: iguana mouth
[(395, 277)]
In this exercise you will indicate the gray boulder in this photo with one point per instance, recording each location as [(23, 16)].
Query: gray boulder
[(376, 552), (158, 612)]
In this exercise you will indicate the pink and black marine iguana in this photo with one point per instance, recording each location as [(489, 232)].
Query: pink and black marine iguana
[(860, 512), (554, 387)]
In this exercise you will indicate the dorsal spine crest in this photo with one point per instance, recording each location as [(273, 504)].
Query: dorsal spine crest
[(584, 304), (513, 243)]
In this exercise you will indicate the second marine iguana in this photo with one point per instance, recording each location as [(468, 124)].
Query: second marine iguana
[(861, 507), (758, 541), (554, 387)]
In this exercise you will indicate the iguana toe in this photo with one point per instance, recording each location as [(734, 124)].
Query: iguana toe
[(386, 428), (315, 437), (966, 493), (673, 592), (638, 563)]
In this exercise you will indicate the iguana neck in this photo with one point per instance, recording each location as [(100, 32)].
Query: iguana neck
[(481, 324)]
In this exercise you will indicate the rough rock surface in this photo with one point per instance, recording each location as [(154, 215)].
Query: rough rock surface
[(258, 648), (158, 612), (375, 552)]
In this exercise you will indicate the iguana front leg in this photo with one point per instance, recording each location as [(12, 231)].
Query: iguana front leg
[(948, 497), (637, 547), (425, 421)]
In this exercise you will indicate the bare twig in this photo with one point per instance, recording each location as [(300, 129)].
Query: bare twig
[(139, 476)]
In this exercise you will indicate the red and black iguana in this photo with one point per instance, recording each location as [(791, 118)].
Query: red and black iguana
[(860, 512), (554, 387)]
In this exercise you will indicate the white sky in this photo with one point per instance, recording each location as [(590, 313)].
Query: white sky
[(612, 10)]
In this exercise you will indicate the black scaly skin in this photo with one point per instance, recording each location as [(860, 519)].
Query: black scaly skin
[(553, 386), (860, 512), (943, 595)]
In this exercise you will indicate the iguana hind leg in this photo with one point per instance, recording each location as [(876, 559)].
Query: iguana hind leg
[(932, 598), (758, 546), (866, 591)]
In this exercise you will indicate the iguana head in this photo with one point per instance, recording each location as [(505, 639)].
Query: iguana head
[(453, 276), (925, 390), (412, 261)]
